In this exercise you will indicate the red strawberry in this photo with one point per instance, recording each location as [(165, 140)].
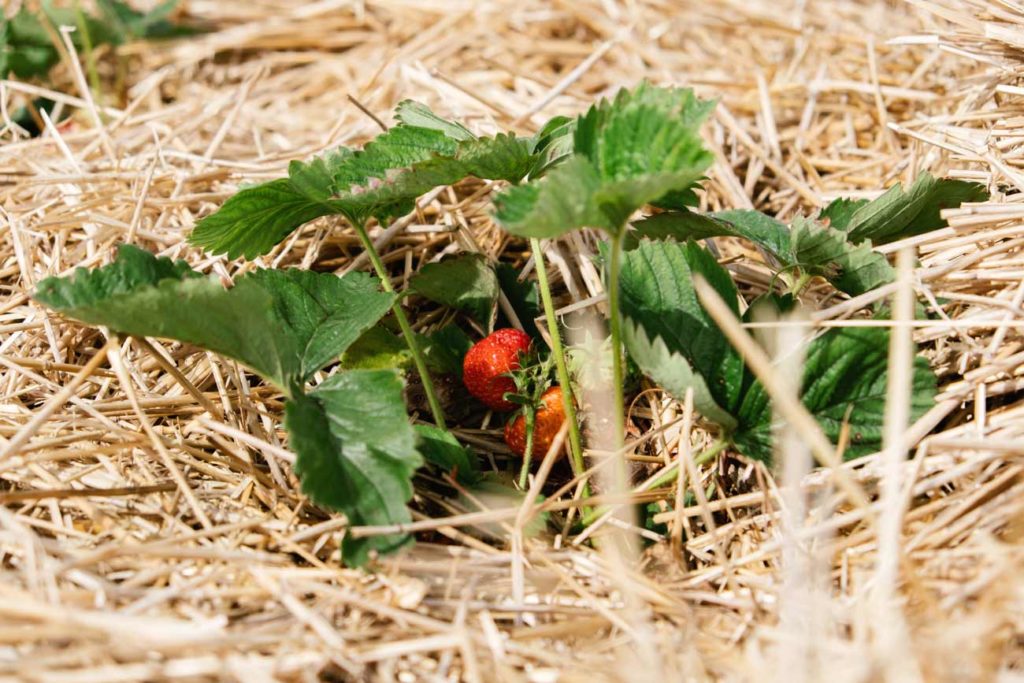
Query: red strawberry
[(484, 368), (546, 423)]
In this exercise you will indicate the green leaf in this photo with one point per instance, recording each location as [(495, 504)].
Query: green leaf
[(564, 200), (845, 376), (384, 179), (418, 115), (552, 144), (761, 229), (523, 296), (25, 47), (824, 251), (254, 220), (100, 32), (644, 131), (641, 148), (673, 372), (812, 246), (440, 447), (377, 349), (444, 350), (153, 24), (669, 334), (285, 325), (380, 181), (903, 213), (466, 283), (840, 212), (356, 453)]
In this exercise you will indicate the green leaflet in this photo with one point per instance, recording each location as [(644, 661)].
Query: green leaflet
[(466, 282), (254, 220), (840, 212), (440, 447), (552, 144), (154, 24), (820, 250), (25, 48), (673, 372), (356, 452), (903, 213), (647, 131), (388, 193), (378, 348), (380, 181), (813, 247), (673, 340), (444, 350), (759, 228), (285, 325), (845, 376), (669, 334), (563, 200), (643, 147), (418, 115), (838, 246)]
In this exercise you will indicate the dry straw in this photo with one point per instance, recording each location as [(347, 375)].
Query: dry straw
[(151, 528)]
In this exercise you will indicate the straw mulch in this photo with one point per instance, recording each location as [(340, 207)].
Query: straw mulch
[(151, 528)]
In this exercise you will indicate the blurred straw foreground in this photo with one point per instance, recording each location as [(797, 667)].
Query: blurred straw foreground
[(148, 536)]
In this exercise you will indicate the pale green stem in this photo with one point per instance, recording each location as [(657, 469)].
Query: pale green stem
[(575, 447), (799, 284), (90, 57), (403, 323), (524, 471), (619, 415)]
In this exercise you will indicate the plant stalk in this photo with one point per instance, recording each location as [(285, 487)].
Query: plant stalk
[(403, 323), (90, 57), (524, 471), (619, 415), (575, 447), (799, 284)]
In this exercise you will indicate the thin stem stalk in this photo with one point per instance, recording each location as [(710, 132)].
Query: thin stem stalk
[(524, 471), (614, 268), (575, 443), (403, 323)]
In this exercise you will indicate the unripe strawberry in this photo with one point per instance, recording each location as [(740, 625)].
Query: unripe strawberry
[(546, 423), (485, 366)]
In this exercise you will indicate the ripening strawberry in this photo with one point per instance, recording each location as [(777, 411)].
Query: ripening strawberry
[(548, 420), (485, 366)]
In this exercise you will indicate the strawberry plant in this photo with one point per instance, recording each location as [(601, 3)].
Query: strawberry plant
[(330, 346)]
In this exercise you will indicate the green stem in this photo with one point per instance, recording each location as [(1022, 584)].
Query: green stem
[(403, 322), (575, 447), (90, 58), (524, 471), (799, 284), (619, 415), (702, 458)]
